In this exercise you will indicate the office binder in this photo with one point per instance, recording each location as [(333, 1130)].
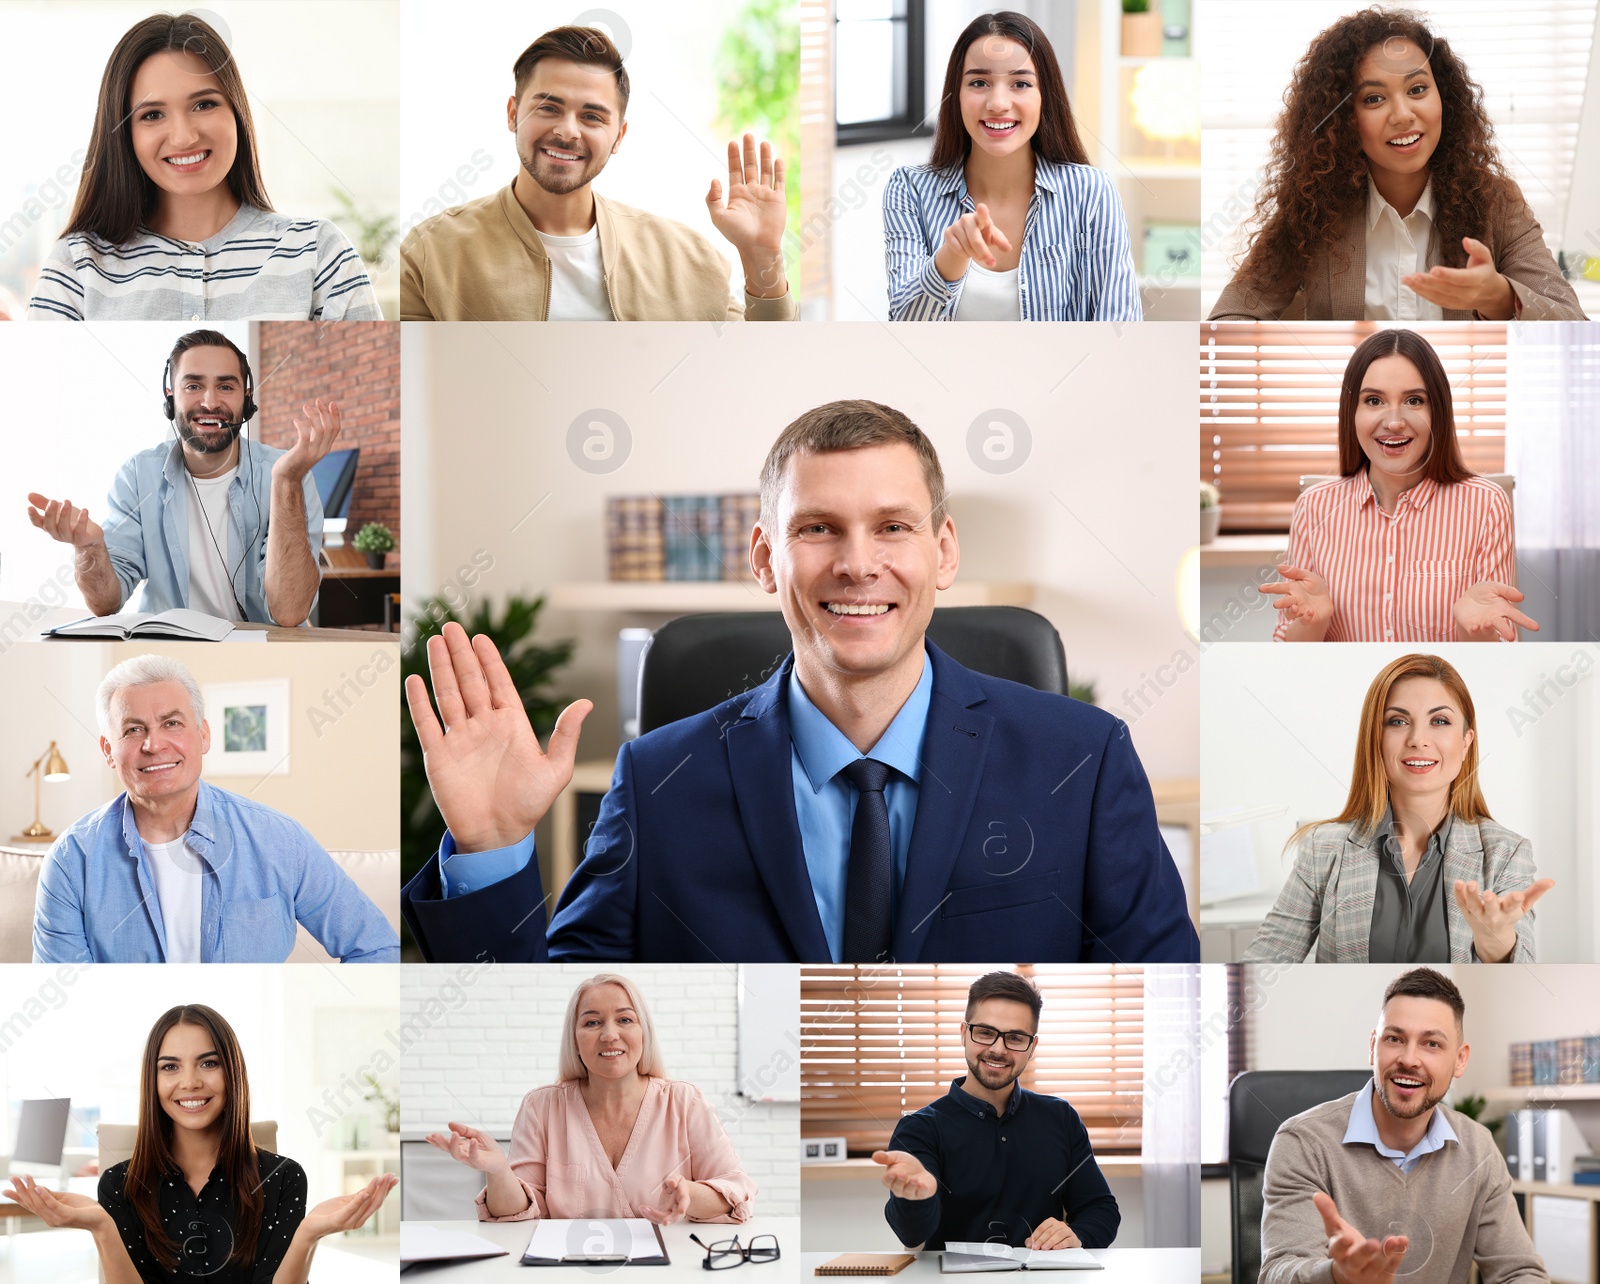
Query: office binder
[(557, 1244)]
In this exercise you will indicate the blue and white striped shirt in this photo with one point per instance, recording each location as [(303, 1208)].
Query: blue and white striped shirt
[(1076, 262), (260, 267)]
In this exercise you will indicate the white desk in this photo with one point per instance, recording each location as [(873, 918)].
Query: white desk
[(685, 1257), (1122, 1266)]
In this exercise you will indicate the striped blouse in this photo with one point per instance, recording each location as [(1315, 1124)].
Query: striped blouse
[(1397, 578), (260, 267), (1076, 262)]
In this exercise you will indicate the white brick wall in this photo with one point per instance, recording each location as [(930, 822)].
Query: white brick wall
[(477, 1038)]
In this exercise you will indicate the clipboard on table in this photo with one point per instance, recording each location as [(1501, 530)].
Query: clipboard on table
[(596, 1241)]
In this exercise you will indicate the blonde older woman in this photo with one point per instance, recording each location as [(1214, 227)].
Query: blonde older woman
[(613, 1137)]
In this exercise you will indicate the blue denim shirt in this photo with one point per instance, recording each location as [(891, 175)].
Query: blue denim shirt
[(97, 901), (147, 526)]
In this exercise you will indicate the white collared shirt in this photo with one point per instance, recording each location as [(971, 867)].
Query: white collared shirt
[(1397, 247)]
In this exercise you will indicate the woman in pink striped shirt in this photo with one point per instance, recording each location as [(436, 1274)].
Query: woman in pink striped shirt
[(1407, 545), (614, 1137)]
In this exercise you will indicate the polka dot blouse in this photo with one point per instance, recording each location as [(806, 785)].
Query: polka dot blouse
[(203, 1227)]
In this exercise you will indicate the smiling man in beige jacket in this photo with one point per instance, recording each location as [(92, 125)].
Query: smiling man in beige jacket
[(547, 248)]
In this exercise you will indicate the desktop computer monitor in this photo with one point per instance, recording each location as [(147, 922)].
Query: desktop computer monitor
[(335, 478)]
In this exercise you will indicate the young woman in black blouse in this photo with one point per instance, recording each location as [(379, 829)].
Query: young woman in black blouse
[(198, 1198)]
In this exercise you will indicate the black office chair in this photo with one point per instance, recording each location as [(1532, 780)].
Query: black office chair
[(695, 662), (1258, 1101)]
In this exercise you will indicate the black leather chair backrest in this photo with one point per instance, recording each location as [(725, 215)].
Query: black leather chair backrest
[(695, 662), (1258, 1101)]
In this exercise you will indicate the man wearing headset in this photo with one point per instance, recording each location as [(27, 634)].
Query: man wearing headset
[(230, 529)]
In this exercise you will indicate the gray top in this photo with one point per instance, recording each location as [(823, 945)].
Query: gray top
[(1409, 922)]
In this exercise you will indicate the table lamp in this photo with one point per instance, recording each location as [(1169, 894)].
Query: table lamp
[(49, 765)]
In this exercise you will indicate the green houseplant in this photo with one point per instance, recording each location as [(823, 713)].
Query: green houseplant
[(374, 539), (532, 666)]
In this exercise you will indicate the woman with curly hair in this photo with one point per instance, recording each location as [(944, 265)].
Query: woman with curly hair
[(1385, 197)]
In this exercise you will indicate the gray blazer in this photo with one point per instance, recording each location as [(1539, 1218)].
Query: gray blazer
[(1329, 894), (1329, 294)]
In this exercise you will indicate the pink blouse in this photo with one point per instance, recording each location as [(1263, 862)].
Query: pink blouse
[(557, 1155)]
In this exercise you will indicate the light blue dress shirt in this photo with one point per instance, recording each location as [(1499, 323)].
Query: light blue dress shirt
[(97, 900), (825, 801), (1364, 1128), (147, 526)]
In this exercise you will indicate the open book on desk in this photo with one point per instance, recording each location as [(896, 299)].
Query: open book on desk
[(960, 1258), (615, 1241), (190, 626)]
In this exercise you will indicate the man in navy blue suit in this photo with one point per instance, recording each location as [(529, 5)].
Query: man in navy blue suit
[(872, 802)]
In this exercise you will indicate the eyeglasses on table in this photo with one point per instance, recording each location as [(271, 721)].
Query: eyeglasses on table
[(723, 1254)]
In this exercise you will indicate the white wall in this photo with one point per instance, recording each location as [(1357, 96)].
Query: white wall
[(1097, 517), (478, 1039), (1279, 729)]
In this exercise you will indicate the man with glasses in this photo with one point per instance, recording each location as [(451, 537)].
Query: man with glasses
[(991, 1161)]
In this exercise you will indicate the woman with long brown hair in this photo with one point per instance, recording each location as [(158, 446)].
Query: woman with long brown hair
[(1008, 220), (1407, 545), (1385, 197), (1414, 869), (172, 220), (199, 1198)]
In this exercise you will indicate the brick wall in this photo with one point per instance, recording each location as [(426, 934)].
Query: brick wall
[(356, 364), (479, 1038)]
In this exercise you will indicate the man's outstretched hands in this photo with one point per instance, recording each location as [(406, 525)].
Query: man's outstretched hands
[(752, 220), (58, 519), (490, 779), (1357, 1259), (1052, 1233), (905, 1176)]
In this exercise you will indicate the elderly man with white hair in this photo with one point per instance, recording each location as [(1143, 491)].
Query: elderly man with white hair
[(175, 870)]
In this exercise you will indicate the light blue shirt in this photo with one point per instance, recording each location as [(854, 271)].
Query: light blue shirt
[(1364, 1129), (147, 526), (261, 872), (825, 801), (1075, 263)]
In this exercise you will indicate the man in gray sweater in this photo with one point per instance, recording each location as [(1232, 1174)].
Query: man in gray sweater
[(1389, 1182)]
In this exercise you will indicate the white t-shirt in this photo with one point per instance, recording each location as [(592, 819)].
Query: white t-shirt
[(1397, 247), (577, 277), (989, 296), (209, 590), (177, 872)]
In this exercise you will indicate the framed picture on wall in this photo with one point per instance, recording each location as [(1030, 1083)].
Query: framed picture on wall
[(249, 728)]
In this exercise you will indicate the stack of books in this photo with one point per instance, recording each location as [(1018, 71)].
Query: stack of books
[(680, 537), (1586, 1170)]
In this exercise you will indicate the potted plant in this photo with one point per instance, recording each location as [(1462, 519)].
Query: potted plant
[(1210, 512), (374, 539), (391, 1105), (1141, 29)]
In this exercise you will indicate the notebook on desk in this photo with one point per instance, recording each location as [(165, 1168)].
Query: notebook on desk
[(967, 1258), (596, 1241), (180, 622)]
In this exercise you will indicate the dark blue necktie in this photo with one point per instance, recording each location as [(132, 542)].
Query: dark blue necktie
[(868, 925)]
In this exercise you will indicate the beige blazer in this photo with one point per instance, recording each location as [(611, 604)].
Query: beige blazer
[(483, 261), (1330, 294)]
